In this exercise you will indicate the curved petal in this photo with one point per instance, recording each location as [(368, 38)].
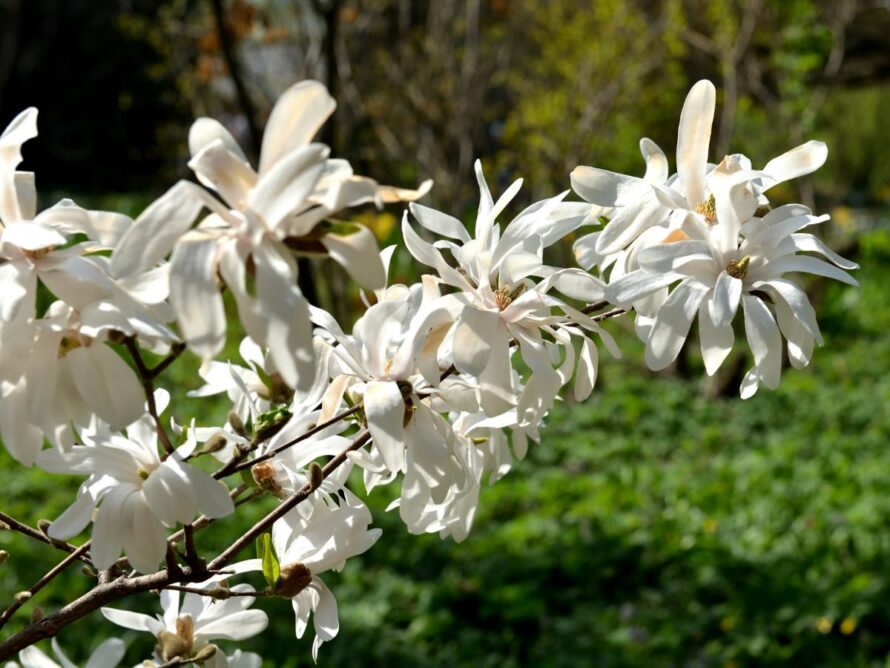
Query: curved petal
[(107, 655), (694, 138), (296, 118), (474, 333), (195, 294), (357, 252), (135, 621), (284, 187), (672, 324), (764, 339), (804, 159), (385, 411)]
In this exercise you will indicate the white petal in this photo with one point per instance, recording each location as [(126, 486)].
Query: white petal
[(385, 411), (764, 339), (107, 655), (284, 187), (156, 230), (438, 222), (22, 439), (799, 161), (217, 167), (74, 519), (808, 265), (107, 384), (212, 495), (656, 161), (195, 295), (237, 626), (358, 253), (288, 329), (694, 138), (716, 340), (144, 538), (205, 131), (108, 528), (585, 375), (672, 324), (31, 236), (298, 115), (474, 334), (725, 301), (133, 620)]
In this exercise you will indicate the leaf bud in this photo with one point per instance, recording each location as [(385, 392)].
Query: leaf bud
[(23, 596), (213, 444), (4, 555), (36, 615), (44, 526)]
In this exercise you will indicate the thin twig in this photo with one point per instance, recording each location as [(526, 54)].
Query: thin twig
[(218, 592), (42, 582), (302, 437), (147, 377), (291, 502), (31, 532)]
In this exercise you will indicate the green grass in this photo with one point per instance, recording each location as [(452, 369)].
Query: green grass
[(651, 527)]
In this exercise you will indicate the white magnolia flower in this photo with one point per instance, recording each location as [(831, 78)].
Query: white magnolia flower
[(503, 303), (107, 655), (70, 375), (717, 271), (282, 204), (137, 492), (191, 622), (698, 187), (306, 547)]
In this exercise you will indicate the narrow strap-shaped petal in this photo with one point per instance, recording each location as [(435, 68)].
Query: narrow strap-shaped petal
[(694, 138), (296, 118)]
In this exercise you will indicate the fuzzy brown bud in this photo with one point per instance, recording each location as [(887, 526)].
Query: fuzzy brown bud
[(205, 654), (36, 615), (293, 579), (237, 424), (316, 476)]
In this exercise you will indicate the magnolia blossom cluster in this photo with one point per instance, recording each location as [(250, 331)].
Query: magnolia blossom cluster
[(438, 387)]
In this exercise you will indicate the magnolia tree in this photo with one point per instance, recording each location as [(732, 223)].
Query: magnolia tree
[(439, 385)]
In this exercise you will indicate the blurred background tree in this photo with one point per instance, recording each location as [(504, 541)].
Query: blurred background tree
[(654, 526)]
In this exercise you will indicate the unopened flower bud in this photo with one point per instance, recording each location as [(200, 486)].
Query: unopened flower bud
[(293, 579), (213, 444), (89, 572), (316, 476), (206, 653), (237, 424), (44, 526), (4, 526), (23, 596), (4, 555)]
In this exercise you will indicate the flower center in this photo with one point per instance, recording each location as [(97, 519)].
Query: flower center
[(293, 579), (180, 644), (739, 268), (707, 209), (504, 296)]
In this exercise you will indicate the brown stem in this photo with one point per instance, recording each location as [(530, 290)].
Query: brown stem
[(31, 532), (302, 437), (288, 504), (147, 376)]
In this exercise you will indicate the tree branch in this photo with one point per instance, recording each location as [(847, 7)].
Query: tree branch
[(42, 582), (25, 530), (147, 377)]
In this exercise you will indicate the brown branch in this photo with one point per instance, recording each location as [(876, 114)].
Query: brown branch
[(31, 532), (147, 376), (227, 47), (287, 505), (302, 437), (219, 592)]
